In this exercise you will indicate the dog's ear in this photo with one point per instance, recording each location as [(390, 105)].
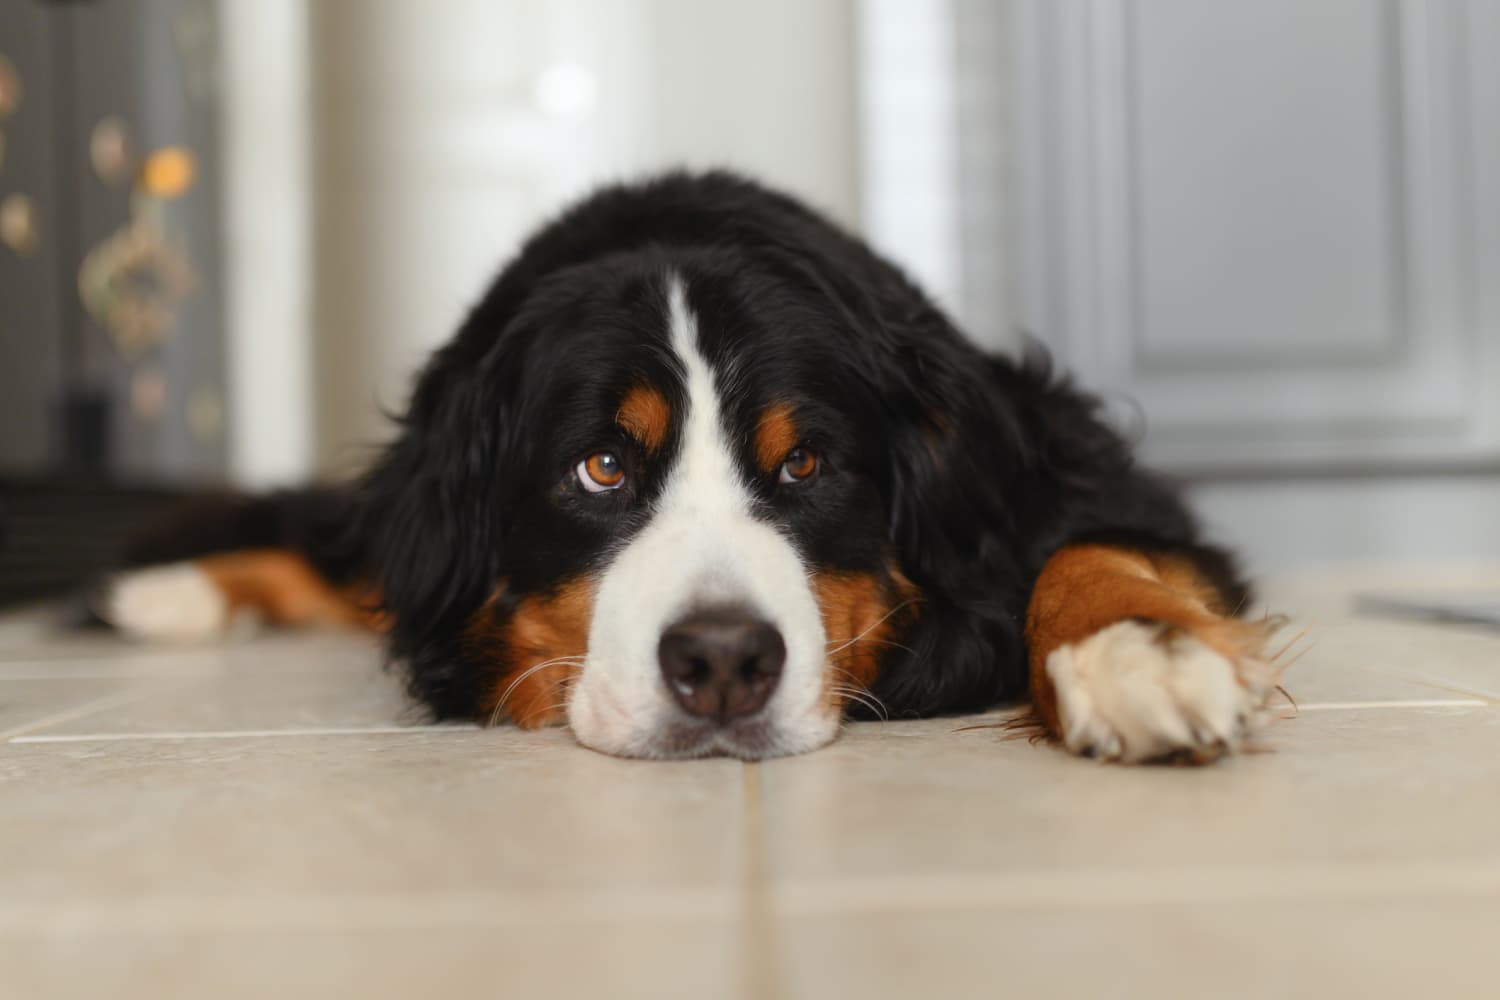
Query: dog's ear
[(960, 467), (428, 511), (959, 460), (957, 452), (956, 441)]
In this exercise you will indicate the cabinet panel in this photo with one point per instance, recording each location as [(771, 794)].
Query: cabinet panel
[(1267, 188), (1258, 221)]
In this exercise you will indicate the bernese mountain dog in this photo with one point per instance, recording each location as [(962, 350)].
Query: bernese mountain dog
[(702, 474)]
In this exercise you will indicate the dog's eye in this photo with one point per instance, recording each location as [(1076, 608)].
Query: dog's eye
[(799, 465), (601, 472)]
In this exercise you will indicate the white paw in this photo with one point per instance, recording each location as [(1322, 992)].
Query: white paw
[(1131, 692), (176, 602)]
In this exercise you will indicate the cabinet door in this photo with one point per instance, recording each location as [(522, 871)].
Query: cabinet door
[(1270, 223)]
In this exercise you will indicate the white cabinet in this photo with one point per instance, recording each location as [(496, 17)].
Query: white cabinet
[(1273, 224)]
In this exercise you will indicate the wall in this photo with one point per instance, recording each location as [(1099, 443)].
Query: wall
[(267, 126), (445, 132)]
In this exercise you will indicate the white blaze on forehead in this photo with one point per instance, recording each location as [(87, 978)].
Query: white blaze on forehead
[(702, 545), (706, 477)]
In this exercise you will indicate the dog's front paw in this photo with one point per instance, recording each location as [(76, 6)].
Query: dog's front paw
[(176, 602), (1141, 691)]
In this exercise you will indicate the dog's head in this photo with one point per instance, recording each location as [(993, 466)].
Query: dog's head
[(692, 478)]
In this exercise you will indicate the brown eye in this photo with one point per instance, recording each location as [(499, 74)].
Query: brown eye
[(800, 463), (601, 472)]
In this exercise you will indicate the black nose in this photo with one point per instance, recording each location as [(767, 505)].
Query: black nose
[(721, 664)]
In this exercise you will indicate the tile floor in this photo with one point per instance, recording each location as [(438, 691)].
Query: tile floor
[(269, 818)]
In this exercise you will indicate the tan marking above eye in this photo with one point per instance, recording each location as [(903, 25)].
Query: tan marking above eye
[(645, 415), (776, 435)]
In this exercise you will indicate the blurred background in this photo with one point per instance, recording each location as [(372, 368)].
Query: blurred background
[(1267, 231)]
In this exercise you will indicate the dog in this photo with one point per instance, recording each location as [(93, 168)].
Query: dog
[(702, 474)]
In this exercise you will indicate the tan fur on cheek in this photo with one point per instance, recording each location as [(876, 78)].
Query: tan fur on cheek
[(550, 629), (775, 436), (861, 614), (645, 415)]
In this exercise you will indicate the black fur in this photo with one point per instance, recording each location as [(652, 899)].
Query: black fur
[(313, 521), (966, 471)]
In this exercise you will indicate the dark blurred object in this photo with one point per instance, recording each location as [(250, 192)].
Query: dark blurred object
[(111, 337), (58, 536), (86, 429), (1478, 607)]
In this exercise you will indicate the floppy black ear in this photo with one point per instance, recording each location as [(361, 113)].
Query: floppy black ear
[(961, 464), (430, 518), (957, 459), (956, 442)]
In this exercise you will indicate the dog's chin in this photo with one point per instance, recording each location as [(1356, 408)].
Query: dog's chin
[(756, 738)]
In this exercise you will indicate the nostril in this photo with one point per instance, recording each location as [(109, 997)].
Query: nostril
[(721, 663), (765, 656), (689, 673)]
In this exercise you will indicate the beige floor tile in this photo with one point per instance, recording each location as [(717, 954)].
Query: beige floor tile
[(1361, 857), (1459, 658), (1332, 593), (500, 811), (313, 699), (645, 959), (1351, 663), (107, 655), (1341, 788), (1370, 659), (30, 705), (1317, 949)]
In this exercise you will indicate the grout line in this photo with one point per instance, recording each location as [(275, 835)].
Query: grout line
[(1439, 682), (230, 734), (1448, 684), (762, 974), (67, 670), (342, 913), (1079, 888), (14, 735), (1357, 706)]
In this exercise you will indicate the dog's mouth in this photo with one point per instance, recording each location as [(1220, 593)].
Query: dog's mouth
[(751, 739), (598, 720)]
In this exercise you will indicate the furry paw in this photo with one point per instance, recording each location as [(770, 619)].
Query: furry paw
[(176, 602), (1138, 691)]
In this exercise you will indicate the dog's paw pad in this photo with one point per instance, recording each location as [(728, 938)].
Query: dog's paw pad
[(1137, 691), (176, 602)]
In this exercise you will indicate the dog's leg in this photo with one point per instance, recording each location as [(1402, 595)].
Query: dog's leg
[(1134, 657), (203, 597)]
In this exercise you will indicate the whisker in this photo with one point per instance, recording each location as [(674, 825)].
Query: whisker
[(873, 626), (867, 696), (849, 674), (559, 689), (879, 642), (511, 687), (1287, 647), (863, 697)]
